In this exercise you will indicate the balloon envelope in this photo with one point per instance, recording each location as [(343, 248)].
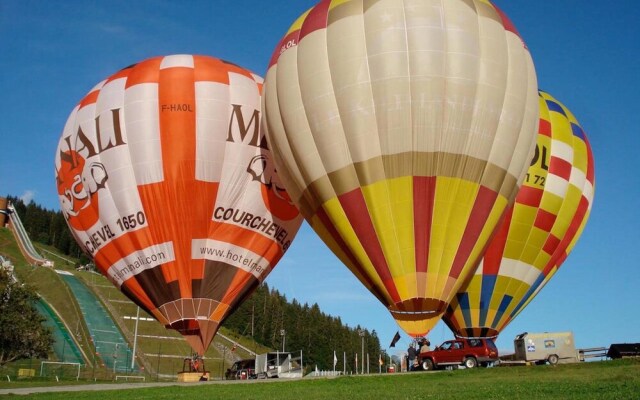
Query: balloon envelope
[(402, 130), (165, 179), (538, 232)]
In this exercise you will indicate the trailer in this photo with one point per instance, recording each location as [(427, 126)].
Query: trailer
[(623, 350), (551, 347)]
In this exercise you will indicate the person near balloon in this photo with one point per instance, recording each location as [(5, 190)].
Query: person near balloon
[(425, 345), (411, 357)]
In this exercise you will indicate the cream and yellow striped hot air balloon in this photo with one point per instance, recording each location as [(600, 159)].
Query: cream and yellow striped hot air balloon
[(402, 130)]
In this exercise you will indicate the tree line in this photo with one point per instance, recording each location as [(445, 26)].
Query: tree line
[(265, 315), (273, 321)]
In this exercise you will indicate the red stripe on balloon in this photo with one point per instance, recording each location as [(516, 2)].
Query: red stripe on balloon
[(544, 220), (529, 196), (544, 127), (590, 166), (355, 208), (316, 20), (495, 249), (560, 167), (561, 259), (482, 207), (423, 200), (559, 254), (287, 42), (551, 245)]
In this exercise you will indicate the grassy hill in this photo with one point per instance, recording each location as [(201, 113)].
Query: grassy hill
[(159, 351), (613, 380), (50, 287)]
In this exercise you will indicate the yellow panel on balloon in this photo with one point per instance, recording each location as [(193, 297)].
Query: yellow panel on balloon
[(542, 259), (419, 327), (406, 286), (551, 202), (566, 214), (474, 291), (343, 226), (392, 217), (450, 216), (379, 209), (537, 239), (402, 210)]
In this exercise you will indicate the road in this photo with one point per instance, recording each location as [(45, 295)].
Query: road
[(124, 386), (82, 388)]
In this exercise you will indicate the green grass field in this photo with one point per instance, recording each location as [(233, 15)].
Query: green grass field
[(595, 380)]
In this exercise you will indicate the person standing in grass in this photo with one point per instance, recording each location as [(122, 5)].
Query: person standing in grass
[(411, 357)]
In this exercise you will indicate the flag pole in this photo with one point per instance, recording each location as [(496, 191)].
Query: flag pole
[(368, 363), (335, 361)]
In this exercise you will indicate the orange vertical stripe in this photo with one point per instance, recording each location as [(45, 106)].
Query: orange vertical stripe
[(147, 71), (176, 102), (210, 69)]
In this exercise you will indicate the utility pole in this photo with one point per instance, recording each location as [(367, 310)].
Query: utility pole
[(95, 350), (158, 363), (224, 355), (135, 340), (283, 333), (115, 358)]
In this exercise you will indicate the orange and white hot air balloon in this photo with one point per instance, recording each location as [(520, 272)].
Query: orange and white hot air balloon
[(402, 129), (165, 179)]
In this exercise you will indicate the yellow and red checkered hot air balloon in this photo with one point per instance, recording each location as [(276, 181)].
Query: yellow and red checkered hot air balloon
[(402, 130), (538, 232), (165, 179)]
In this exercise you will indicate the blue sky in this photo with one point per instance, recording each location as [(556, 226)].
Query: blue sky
[(586, 54)]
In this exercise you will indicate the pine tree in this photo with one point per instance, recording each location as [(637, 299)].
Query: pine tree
[(22, 333)]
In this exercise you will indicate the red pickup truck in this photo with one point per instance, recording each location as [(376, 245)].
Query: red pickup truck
[(467, 352)]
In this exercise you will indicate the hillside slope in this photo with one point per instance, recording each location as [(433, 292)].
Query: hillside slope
[(160, 352)]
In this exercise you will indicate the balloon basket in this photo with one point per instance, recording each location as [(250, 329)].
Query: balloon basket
[(193, 376)]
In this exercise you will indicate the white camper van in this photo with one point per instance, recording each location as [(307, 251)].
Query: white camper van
[(551, 347)]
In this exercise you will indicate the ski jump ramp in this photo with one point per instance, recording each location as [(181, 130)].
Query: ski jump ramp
[(26, 246)]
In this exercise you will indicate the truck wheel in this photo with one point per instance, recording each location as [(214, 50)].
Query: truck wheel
[(553, 359), (427, 365), (470, 362)]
